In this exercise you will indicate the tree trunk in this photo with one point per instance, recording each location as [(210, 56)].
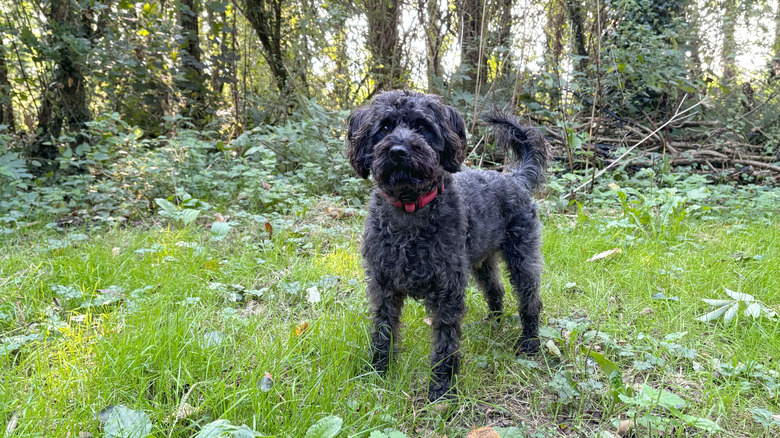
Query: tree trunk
[(730, 16), (471, 23), (193, 86), (438, 24), (6, 104), (774, 66), (65, 98), (505, 23), (383, 18), (574, 9), (265, 17)]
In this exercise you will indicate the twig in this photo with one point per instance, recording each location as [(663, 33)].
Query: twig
[(614, 163)]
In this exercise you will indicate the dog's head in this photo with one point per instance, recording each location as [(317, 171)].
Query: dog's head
[(407, 141)]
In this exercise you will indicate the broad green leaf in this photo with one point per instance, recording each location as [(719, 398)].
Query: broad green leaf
[(651, 397), (122, 422), (166, 205), (606, 365), (715, 314), (671, 337), (509, 432), (189, 215), (765, 417), (327, 427), (223, 428), (219, 230), (698, 422)]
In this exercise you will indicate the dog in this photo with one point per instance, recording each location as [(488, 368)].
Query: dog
[(432, 221)]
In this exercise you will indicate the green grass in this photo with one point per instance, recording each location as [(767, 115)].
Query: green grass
[(176, 338)]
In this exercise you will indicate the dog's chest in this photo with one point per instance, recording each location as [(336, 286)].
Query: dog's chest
[(415, 261)]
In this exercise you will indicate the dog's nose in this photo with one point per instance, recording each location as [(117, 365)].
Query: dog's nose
[(398, 153)]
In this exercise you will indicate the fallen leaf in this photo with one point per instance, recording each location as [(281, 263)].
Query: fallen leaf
[(605, 255), (647, 311), (265, 185), (313, 295), (428, 320), (624, 427), (115, 251), (269, 229), (483, 432), (552, 348), (301, 328), (210, 265), (334, 212), (219, 218), (13, 424), (185, 410)]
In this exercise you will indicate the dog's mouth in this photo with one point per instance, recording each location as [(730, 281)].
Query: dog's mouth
[(405, 175)]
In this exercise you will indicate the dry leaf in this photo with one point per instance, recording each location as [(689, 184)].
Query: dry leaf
[(613, 186), (185, 410), (552, 348), (647, 311), (624, 427), (301, 328), (265, 185), (313, 295), (428, 320), (605, 255), (483, 432), (210, 265), (269, 229), (219, 218), (115, 251)]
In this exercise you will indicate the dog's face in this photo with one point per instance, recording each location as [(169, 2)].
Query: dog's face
[(406, 140)]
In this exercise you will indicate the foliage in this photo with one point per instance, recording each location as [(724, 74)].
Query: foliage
[(728, 309)]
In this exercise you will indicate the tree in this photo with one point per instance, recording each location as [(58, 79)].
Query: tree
[(574, 10), (6, 105), (438, 24), (472, 54), (266, 19), (193, 85), (65, 102), (383, 17)]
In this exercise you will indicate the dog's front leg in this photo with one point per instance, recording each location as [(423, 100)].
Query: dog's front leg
[(386, 307), (447, 314)]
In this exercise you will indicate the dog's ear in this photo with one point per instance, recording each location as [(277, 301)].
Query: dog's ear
[(360, 152), (454, 140)]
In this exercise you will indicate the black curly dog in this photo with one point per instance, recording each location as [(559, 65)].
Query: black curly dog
[(431, 221)]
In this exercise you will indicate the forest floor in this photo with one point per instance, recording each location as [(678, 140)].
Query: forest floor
[(165, 328)]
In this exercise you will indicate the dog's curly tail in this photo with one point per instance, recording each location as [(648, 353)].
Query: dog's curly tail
[(526, 142)]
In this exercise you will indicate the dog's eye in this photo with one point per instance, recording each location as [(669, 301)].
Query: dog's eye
[(421, 128), (385, 128)]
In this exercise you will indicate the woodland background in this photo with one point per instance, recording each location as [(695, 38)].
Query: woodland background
[(107, 105)]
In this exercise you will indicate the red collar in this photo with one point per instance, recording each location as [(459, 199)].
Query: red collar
[(422, 201)]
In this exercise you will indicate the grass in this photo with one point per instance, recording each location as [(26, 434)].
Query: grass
[(185, 329)]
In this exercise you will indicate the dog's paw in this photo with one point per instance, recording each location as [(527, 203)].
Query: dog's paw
[(527, 345), (441, 392)]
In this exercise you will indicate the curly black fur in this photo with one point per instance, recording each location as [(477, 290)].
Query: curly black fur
[(412, 143)]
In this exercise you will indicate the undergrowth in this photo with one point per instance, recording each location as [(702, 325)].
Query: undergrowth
[(266, 325)]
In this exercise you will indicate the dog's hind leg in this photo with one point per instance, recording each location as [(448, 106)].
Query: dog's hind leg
[(487, 275), (386, 309), (524, 260)]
